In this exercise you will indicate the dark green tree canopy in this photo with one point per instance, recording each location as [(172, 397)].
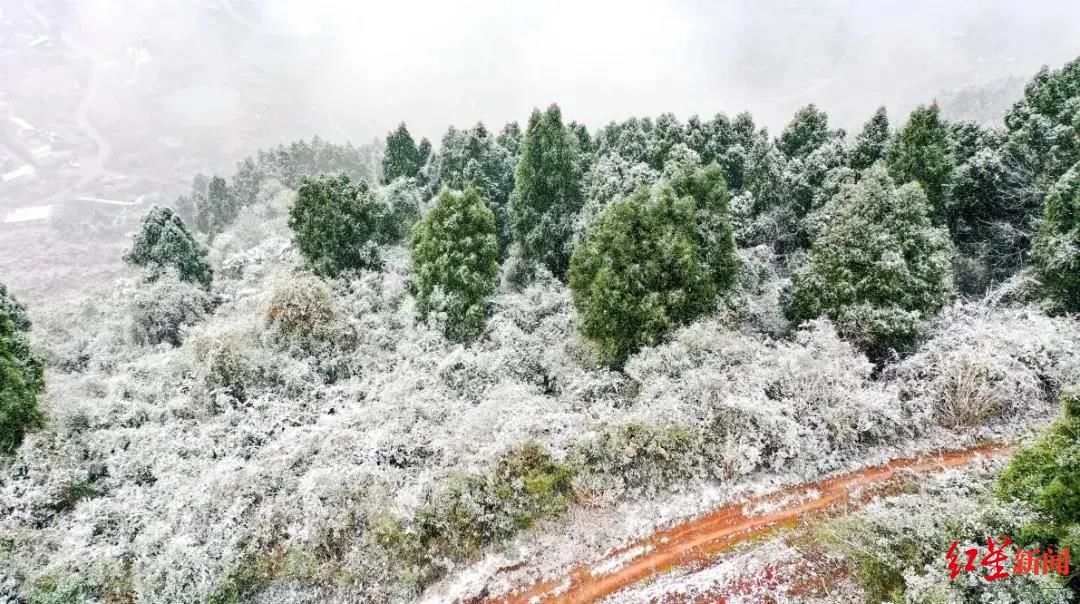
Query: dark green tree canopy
[(880, 268), (456, 262), (21, 380), (221, 205), (14, 309), (547, 192), (641, 271), (715, 240), (1057, 245), (475, 158), (922, 151), (807, 131), (403, 159), (163, 242), (1046, 475), (1043, 132), (338, 225), (871, 142)]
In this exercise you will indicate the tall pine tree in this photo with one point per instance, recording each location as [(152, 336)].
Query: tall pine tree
[(922, 152), (403, 158), (547, 192), (871, 142), (808, 130), (1057, 246)]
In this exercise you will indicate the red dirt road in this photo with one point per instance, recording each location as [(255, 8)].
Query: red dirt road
[(697, 539)]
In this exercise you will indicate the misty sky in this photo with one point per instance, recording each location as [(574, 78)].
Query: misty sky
[(372, 64), (436, 63)]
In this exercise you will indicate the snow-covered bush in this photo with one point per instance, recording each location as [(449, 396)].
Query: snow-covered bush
[(756, 300), (897, 545), (160, 310), (300, 304), (986, 363), (805, 406), (476, 510), (636, 458), (226, 359)]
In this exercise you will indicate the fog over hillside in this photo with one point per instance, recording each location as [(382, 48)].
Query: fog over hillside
[(310, 301), (258, 72)]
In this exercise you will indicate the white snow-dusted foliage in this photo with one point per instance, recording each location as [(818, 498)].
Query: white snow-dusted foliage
[(897, 545), (311, 440)]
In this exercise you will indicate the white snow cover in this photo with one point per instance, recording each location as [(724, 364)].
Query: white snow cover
[(174, 467)]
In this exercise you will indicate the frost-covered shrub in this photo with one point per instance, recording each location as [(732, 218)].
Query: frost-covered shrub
[(300, 304), (805, 406), (986, 363), (897, 544), (226, 358), (480, 509), (757, 298), (638, 457), (162, 309)]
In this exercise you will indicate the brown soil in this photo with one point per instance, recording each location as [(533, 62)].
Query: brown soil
[(695, 541)]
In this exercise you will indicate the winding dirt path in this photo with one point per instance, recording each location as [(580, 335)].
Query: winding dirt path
[(696, 540)]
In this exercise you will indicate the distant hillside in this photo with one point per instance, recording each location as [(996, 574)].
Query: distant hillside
[(984, 103)]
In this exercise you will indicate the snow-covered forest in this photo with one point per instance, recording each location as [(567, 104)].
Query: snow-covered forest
[(444, 370)]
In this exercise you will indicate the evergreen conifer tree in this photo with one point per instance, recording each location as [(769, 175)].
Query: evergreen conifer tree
[(403, 158), (455, 257), (922, 152), (871, 142), (163, 242), (880, 268), (21, 380), (640, 272), (1057, 246), (808, 130), (338, 225), (547, 192)]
